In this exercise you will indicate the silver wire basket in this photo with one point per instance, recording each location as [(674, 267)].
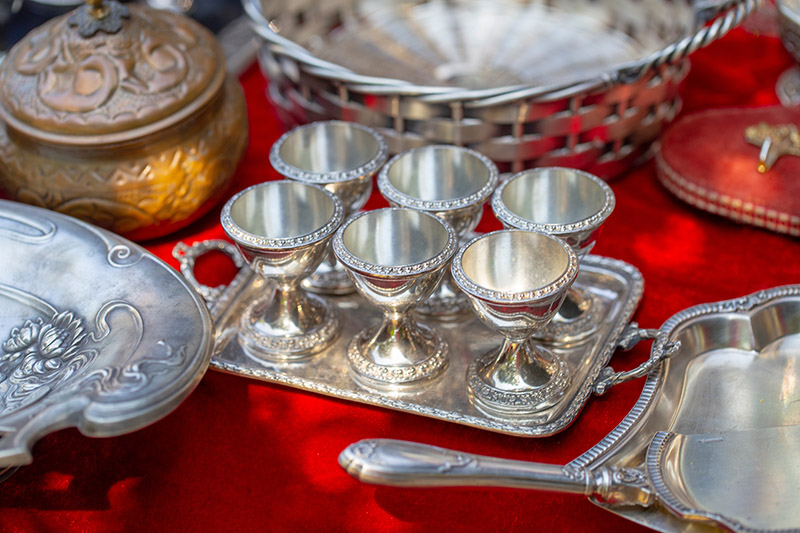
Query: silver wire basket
[(578, 83)]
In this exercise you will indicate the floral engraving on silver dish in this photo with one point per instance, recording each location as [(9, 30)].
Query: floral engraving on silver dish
[(40, 354)]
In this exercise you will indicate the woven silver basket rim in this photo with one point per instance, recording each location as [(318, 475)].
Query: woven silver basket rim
[(714, 18)]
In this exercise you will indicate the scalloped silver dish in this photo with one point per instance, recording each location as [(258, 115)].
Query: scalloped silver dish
[(95, 332), (616, 285), (711, 443)]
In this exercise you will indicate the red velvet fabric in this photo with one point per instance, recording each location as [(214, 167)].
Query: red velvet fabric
[(241, 455)]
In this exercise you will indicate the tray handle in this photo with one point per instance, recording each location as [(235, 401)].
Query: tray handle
[(630, 338), (715, 19), (187, 256)]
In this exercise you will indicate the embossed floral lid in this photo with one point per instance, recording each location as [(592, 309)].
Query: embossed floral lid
[(108, 73)]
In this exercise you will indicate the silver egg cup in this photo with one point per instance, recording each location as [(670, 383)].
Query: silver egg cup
[(396, 258), (342, 157), (282, 229), (516, 282), (569, 204), (452, 183)]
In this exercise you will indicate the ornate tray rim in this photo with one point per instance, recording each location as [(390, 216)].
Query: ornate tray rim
[(220, 300)]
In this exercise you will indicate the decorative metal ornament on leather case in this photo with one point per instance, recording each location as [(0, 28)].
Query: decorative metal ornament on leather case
[(282, 229), (126, 120), (516, 282), (710, 443), (95, 332), (569, 204), (452, 183), (396, 258), (582, 84), (342, 157)]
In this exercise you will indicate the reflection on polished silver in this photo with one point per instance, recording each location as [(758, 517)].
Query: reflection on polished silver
[(342, 157), (712, 440), (109, 345), (395, 257), (282, 229), (516, 281), (451, 183), (572, 205)]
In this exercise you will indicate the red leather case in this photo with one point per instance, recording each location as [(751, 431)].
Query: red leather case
[(706, 161)]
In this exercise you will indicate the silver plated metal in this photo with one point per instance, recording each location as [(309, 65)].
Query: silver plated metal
[(570, 204), (578, 83), (711, 441), (282, 229), (516, 281), (342, 157), (396, 257), (96, 332), (617, 285), (452, 183)]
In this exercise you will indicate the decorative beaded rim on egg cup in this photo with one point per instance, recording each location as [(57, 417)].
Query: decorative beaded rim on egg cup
[(472, 288), (392, 194), (507, 217), (238, 234), (351, 261), (297, 174)]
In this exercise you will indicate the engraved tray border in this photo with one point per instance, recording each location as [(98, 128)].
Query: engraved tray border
[(228, 356)]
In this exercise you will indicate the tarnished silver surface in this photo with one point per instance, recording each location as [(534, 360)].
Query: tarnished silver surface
[(712, 440), (342, 157), (617, 285), (96, 332), (451, 182), (570, 204), (516, 281), (282, 229)]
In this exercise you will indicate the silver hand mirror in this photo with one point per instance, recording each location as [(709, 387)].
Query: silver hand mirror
[(713, 438)]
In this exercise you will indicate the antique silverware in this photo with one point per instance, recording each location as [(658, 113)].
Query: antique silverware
[(451, 183), (585, 84), (516, 281), (570, 204), (616, 286), (121, 115), (711, 441), (282, 229), (95, 332), (342, 157), (396, 257)]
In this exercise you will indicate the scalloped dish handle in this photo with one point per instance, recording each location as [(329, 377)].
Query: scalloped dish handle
[(630, 337), (187, 257)]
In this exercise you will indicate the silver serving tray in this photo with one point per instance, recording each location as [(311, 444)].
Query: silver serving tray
[(711, 442), (95, 332), (615, 285)]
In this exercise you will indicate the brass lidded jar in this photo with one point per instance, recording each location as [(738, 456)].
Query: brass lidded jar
[(120, 115)]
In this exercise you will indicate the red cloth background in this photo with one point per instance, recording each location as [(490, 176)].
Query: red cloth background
[(242, 455)]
